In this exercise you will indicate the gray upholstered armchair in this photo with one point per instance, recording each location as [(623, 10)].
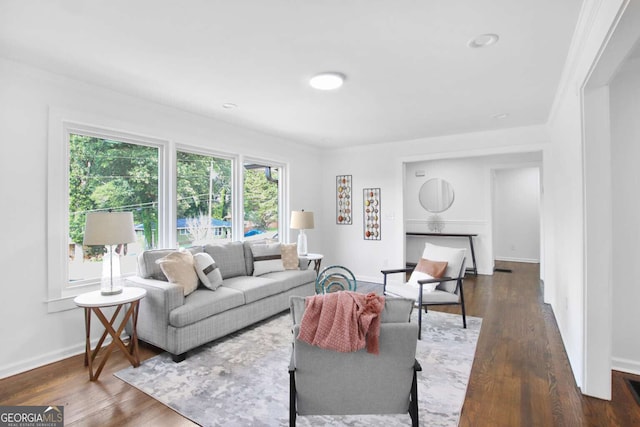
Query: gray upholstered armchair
[(325, 382)]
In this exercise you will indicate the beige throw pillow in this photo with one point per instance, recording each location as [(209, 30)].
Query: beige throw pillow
[(179, 268), (289, 253)]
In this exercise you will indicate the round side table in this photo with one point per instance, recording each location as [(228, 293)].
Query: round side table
[(95, 301), (317, 260)]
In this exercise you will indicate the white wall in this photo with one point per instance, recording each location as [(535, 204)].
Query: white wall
[(516, 214), (30, 336), (577, 279), (471, 211), (625, 155), (383, 165)]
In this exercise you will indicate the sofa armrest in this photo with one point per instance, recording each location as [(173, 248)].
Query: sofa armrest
[(153, 318), (171, 294)]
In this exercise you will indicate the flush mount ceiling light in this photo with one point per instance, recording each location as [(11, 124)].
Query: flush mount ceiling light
[(500, 116), (327, 81), (229, 105), (483, 40)]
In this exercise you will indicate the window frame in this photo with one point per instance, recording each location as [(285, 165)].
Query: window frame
[(283, 192), (174, 182), (61, 125)]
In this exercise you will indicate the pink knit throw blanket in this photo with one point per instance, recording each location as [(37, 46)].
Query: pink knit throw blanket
[(343, 321)]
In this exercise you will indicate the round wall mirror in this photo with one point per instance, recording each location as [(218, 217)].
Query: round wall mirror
[(436, 195)]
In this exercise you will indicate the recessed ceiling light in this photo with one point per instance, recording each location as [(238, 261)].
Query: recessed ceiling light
[(483, 40), (500, 116), (229, 105), (327, 81)]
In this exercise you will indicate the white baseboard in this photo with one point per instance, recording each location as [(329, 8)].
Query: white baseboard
[(370, 279), (510, 259), (625, 365), (25, 365)]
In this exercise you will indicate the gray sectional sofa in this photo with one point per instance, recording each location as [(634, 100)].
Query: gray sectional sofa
[(178, 323)]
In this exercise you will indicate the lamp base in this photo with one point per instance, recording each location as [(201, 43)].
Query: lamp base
[(302, 243), (111, 283)]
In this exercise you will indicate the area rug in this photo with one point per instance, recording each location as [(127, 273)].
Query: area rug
[(243, 379)]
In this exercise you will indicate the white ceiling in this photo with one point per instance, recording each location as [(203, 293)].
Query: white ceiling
[(409, 71)]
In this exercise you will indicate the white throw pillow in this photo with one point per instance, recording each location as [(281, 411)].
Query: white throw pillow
[(207, 271), (266, 258), (418, 275)]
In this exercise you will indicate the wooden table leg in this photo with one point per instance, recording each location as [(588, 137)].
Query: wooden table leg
[(87, 346), (130, 352), (133, 345)]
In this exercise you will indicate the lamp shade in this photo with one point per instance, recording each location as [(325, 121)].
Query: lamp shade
[(109, 228), (301, 220)]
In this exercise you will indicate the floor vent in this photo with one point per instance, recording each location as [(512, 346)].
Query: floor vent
[(635, 389)]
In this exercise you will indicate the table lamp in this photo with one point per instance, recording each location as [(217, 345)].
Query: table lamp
[(301, 220), (109, 229)]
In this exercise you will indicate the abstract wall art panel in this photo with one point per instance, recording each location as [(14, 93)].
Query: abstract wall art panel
[(371, 214), (344, 200)]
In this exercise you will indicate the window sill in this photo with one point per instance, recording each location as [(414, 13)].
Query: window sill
[(61, 304), (65, 301)]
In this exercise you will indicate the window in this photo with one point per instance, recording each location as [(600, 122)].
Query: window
[(261, 200), (110, 175), (203, 199), (178, 195)]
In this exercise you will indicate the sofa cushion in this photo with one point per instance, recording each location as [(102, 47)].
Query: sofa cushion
[(248, 254), (266, 258), (207, 270), (292, 278), (254, 288), (203, 303), (147, 267), (229, 257), (179, 268)]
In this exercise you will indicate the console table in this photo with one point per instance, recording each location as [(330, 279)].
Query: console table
[(466, 236)]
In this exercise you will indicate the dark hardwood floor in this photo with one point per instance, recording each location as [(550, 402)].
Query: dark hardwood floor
[(520, 377)]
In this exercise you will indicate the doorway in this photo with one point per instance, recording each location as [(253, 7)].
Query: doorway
[(516, 215)]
